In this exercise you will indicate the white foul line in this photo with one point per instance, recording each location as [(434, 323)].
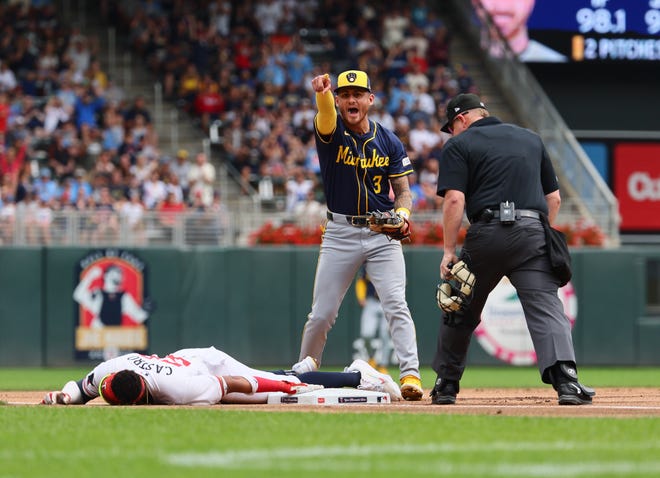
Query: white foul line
[(563, 407), (326, 458)]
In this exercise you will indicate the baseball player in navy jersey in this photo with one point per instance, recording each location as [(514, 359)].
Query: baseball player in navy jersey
[(206, 376), (360, 160)]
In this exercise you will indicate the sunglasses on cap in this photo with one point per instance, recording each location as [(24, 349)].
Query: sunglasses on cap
[(450, 127)]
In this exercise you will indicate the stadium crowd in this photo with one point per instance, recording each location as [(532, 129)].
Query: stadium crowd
[(72, 139)]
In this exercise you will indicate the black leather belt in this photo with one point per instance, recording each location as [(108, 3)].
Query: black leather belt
[(357, 221), (488, 214)]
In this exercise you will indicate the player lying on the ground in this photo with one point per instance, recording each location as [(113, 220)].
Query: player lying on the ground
[(206, 376)]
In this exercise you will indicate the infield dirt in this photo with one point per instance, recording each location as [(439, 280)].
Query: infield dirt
[(608, 402)]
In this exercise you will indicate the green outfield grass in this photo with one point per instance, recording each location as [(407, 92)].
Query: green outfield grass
[(129, 442), (79, 441)]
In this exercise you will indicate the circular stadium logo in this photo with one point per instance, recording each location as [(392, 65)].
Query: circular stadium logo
[(503, 331)]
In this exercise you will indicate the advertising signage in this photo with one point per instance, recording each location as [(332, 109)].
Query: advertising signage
[(636, 184), (574, 31)]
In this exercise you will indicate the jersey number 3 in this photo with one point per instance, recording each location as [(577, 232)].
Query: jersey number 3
[(377, 180)]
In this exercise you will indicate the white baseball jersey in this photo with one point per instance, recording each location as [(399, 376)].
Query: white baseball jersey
[(184, 377)]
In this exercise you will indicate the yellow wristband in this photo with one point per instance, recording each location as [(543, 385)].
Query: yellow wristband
[(403, 212)]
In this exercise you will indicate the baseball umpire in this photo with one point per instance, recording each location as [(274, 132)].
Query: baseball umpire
[(360, 160), (501, 176)]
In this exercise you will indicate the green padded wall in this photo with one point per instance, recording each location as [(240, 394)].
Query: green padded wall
[(21, 303), (253, 303)]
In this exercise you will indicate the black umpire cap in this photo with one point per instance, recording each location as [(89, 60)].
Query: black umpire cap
[(459, 104)]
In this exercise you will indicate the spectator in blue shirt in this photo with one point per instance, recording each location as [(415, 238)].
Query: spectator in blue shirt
[(87, 108), (298, 63), (45, 187), (271, 71), (80, 188)]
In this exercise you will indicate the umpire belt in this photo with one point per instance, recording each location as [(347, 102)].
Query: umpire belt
[(357, 221), (487, 214)]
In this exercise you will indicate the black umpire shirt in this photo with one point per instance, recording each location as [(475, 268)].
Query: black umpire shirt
[(492, 162)]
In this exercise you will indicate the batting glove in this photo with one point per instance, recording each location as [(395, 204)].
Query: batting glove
[(298, 388), (56, 398)]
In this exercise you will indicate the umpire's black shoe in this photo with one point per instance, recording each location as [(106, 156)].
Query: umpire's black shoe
[(563, 376), (574, 393), (444, 392)]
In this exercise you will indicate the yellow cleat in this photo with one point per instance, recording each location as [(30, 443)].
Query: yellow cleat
[(411, 388)]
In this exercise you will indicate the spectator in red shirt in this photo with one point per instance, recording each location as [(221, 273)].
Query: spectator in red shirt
[(209, 104), (168, 210), (243, 52), (4, 112), (439, 48), (11, 162)]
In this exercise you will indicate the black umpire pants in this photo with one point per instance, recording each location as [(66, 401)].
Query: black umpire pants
[(493, 250)]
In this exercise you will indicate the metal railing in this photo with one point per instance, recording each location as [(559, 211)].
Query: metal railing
[(45, 227), (221, 227), (597, 203)]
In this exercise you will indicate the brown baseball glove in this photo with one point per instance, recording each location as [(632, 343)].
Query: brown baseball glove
[(391, 224)]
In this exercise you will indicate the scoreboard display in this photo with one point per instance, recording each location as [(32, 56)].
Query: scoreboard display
[(598, 30)]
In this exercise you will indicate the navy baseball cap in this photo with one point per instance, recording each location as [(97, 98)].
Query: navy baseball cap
[(353, 79), (459, 104)]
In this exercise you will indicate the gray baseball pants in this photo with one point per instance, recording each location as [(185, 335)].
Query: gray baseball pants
[(343, 250)]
